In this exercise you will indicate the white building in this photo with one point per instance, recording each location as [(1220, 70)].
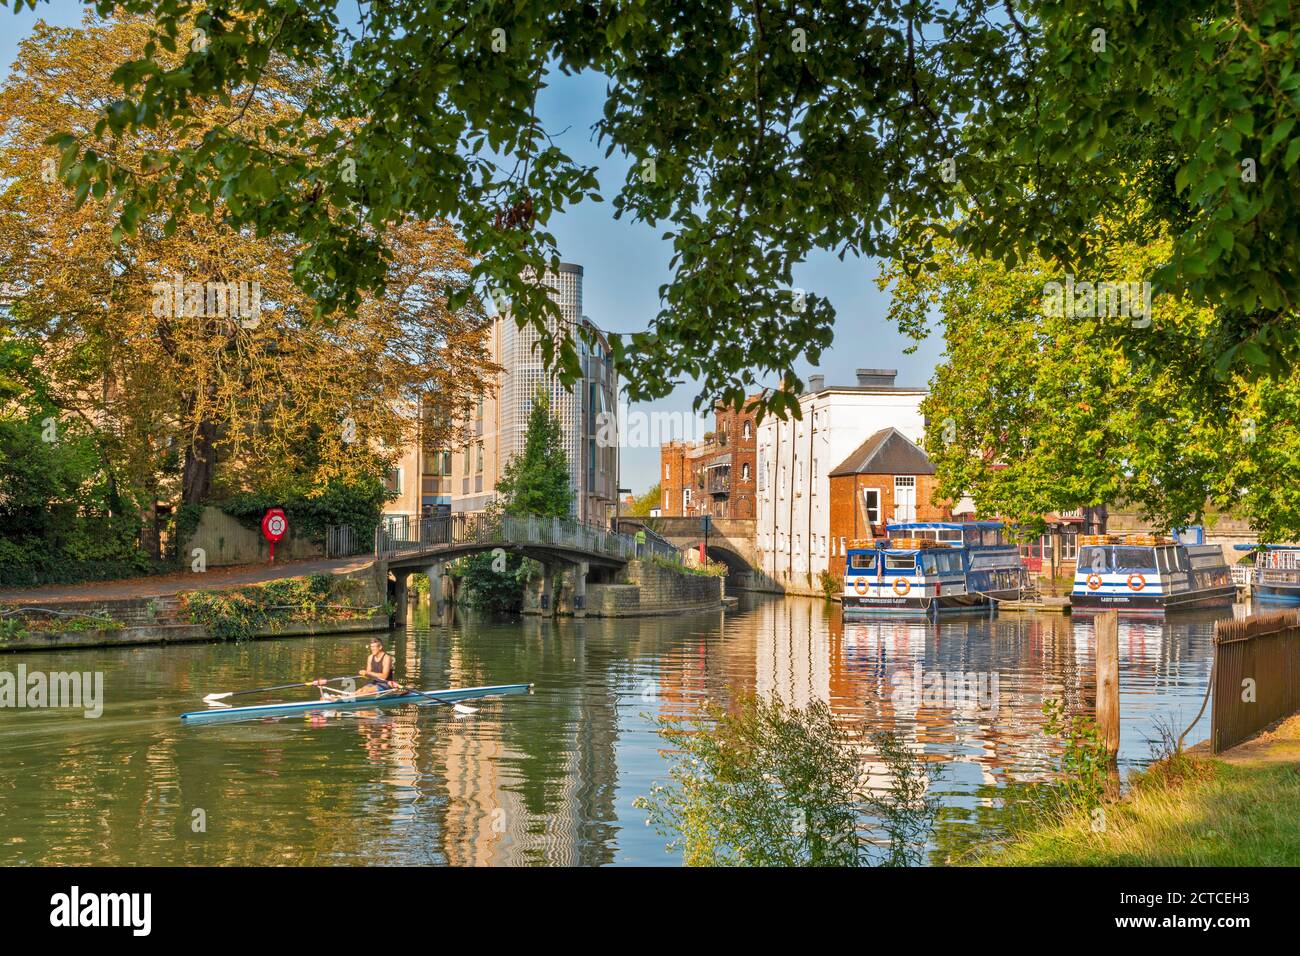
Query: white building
[(795, 459)]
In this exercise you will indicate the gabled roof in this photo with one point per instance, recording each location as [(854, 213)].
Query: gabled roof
[(887, 452)]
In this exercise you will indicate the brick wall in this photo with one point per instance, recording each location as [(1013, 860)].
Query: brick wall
[(848, 519), (673, 477)]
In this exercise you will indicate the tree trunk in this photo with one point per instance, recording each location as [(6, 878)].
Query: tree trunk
[(200, 457)]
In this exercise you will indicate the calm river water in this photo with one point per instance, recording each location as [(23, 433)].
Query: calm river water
[(547, 779)]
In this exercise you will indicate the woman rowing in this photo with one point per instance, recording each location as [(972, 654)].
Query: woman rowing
[(379, 670)]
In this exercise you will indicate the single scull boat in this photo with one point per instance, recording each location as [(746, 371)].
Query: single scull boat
[(342, 702)]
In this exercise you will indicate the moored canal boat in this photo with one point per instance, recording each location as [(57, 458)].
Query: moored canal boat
[(932, 567), (1275, 578), (1149, 574)]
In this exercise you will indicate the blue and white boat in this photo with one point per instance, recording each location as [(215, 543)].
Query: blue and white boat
[(1275, 578), (1149, 574), (932, 567)]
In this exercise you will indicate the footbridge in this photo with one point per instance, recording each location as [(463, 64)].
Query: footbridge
[(407, 544)]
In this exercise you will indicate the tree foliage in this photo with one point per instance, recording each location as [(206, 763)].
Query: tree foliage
[(644, 504), (756, 134), (184, 397), (1035, 411)]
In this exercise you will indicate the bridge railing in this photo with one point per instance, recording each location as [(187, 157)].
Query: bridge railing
[(405, 533)]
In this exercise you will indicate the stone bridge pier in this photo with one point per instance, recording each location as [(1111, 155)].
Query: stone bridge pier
[(560, 589)]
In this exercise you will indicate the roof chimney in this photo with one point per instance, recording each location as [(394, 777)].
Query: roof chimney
[(816, 383), (876, 377)]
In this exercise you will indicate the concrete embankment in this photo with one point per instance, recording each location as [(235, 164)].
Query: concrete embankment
[(349, 600), (645, 587), (178, 634)]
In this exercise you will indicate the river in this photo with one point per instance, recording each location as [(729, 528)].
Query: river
[(547, 779)]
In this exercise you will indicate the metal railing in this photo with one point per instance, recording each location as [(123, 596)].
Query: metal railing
[(397, 534), (1256, 675), (341, 541)]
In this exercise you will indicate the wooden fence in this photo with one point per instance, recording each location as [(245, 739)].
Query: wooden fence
[(1256, 675)]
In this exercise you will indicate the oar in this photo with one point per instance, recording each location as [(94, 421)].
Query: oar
[(213, 698), (459, 708)]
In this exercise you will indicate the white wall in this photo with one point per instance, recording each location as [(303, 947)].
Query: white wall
[(793, 548)]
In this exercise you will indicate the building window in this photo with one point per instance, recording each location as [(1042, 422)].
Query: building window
[(1069, 545), (748, 430), (686, 497), (668, 471), (744, 471), (393, 482), (478, 459)]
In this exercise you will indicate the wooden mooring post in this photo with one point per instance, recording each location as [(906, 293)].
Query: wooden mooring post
[(1106, 627)]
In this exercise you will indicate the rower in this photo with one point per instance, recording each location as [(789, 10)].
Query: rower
[(379, 670)]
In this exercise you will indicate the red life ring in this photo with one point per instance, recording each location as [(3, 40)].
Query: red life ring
[(1141, 582), (860, 585), (1094, 582), (902, 586)]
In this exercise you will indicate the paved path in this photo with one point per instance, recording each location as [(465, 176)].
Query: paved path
[(1278, 743), (160, 585)]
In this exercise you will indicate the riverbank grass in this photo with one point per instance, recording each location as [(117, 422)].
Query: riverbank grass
[(1184, 811)]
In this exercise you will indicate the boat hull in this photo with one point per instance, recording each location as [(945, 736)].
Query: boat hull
[(858, 607), (1094, 603), (451, 695), (1267, 594)]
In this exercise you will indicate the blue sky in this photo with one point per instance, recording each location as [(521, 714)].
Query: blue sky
[(625, 263)]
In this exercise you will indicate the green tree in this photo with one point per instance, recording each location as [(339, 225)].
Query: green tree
[(536, 481), (1067, 417), (644, 504)]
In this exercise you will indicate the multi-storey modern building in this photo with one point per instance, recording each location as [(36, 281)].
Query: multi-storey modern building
[(796, 458), (716, 476), (465, 478)]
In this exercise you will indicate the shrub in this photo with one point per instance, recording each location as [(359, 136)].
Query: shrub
[(241, 613), (767, 784)]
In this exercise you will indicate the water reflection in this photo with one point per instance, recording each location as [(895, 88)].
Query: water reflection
[(547, 779)]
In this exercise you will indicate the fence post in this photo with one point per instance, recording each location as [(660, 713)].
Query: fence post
[(1106, 627)]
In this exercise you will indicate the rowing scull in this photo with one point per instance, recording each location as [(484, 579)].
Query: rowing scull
[(374, 700)]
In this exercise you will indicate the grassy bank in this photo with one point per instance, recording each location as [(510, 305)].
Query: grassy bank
[(1188, 810)]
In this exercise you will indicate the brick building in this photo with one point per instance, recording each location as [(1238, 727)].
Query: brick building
[(886, 479), (716, 476)]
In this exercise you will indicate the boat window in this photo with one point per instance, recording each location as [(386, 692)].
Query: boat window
[(950, 535), (861, 560), (1134, 559), (929, 564), (1093, 560), (900, 562), (972, 536), (952, 561), (990, 536)]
